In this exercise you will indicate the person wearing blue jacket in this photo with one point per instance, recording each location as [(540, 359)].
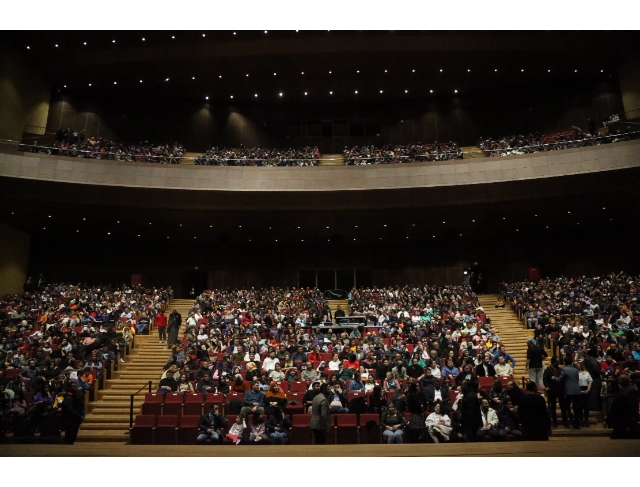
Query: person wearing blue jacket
[(569, 377)]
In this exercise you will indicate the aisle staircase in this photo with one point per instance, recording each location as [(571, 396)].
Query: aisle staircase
[(512, 332), (334, 303), (107, 418), (331, 160)]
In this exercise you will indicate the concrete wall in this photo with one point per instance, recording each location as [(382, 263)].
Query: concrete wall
[(14, 258), (326, 178), (24, 98), (629, 75)]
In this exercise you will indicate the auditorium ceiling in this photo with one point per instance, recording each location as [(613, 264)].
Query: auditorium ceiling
[(315, 66)]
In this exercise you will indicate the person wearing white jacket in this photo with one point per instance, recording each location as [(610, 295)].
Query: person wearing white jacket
[(489, 422), (438, 425)]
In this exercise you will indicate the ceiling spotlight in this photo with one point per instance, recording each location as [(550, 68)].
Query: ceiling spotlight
[(108, 233), (455, 91), (173, 37), (143, 39), (28, 47), (604, 208), (203, 35), (384, 225), (275, 74), (305, 93), (89, 84), (206, 97), (280, 94), (64, 86), (356, 92), (602, 70), (193, 77), (329, 72), (115, 82), (434, 236), (380, 91), (473, 221), (444, 222), (138, 235), (256, 95), (548, 70), (327, 227), (265, 31), (496, 70), (413, 71), (140, 81), (239, 226), (568, 212), (522, 70), (430, 91), (167, 79), (504, 218), (113, 41), (576, 71), (331, 92), (302, 72), (231, 96), (441, 71), (406, 91), (385, 70), (57, 46), (234, 33), (85, 43), (468, 70), (358, 71), (44, 228), (220, 76), (247, 75), (49, 216)]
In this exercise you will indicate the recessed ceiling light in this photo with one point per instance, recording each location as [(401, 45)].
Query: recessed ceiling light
[(203, 35), (303, 72), (602, 70), (354, 239), (329, 72), (118, 221), (57, 46), (380, 238), (407, 237), (115, 82), (274, 74), (302, 240), (181, 224), (84, 219), (280, 94), (265, 31), (604, 208), (298, 227), (568, 212), (220, 77), (455, 91), (331, 92), (406, 91), (356, 92), (249, 240), (327, 227), (210, 226), (149, 223), (473, 221), (504, 218), (305, 93), (434, 236), (138, 235), (430, 91), (108, 233), (441, 71), (143, 39), (256, 95), (385, 70), (89, 84), (380, 91), (44, 228), (384, 225), (522, 70), (413, 70), (195, 237), (113, 41), (496, 70), (576, 71), (239, 226), (140, 81), (247, 75), (413, 225), (356, 226), (444, 222), (234, 33), (193, 77), (64, 86), (358, 71), (231, 96), (517, 229), (548, 70), (173, 37), (206, 97), (85, 43), (468, 70), (49, 216), (167, 237)]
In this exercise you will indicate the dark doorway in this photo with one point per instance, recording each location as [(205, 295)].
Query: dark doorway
[(193, 283), (326, 279)]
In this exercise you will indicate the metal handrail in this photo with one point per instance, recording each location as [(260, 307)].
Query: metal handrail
[(148, 384)]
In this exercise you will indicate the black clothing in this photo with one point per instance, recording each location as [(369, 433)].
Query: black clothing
[(534, 417)]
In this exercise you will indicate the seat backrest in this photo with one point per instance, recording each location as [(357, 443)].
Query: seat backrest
[(295, 396), (174, 397), (346, 419), (197, 397), (301, 420), (169, 420), (189, 421), (365, 418), (153, 397), (145, 420)]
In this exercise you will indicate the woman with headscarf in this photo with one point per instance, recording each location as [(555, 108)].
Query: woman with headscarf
[(274, 397)]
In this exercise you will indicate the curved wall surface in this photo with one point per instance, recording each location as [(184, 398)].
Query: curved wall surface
[(586, 160)]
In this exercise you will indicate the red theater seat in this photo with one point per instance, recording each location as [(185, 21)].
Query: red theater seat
[(301, 429), (193, 404), (142, 431), (166, 429), (188, 430), (346, 432), (369, 434), (152, 403), (173, 403)]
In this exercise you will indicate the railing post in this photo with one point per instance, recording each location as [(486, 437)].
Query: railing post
[(150, 386), (131, 413)]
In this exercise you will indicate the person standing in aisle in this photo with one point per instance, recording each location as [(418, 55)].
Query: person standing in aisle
[(320, 415)]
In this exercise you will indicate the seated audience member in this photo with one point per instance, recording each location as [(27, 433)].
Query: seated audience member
[(392, 423), (253, 400), (257, 429), (211, 426), (278, 427), (509, 420), (489, 422), (438, 425), (168, 384), (337, 400), (503, 369), (237, 430)]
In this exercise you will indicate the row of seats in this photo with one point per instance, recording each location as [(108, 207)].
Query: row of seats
[(183, 430)]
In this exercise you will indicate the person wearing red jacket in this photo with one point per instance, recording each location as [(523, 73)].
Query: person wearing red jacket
[(161, 325)]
